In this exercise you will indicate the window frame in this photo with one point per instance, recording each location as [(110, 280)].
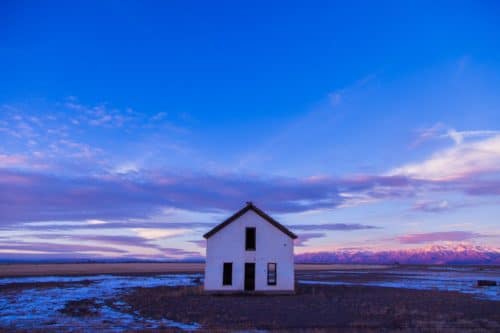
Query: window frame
[(225, 281), (269, 282), (247, 245)]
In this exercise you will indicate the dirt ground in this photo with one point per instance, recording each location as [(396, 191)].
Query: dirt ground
[(319, 308), (11, 270)]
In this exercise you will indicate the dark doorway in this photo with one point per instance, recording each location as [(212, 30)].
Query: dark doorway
[(249, 276)]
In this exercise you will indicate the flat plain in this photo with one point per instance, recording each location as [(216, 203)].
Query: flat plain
[(168, 297), (11, 270)]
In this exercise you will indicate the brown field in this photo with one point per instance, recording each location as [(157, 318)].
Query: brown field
[(320, 309), (139, 300), (11, 270)]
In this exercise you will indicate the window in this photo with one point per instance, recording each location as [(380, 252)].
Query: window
[(271, 274), (250, 239), (227, 274)]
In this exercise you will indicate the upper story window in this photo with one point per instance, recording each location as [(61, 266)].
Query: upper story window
[(250, 239)]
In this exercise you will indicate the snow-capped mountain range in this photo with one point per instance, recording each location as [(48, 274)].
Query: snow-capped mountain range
[(435, 254)]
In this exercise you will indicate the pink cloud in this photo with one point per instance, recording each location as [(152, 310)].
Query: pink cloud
[(305, 237), (438, 236), (56, 197), (11, 160)]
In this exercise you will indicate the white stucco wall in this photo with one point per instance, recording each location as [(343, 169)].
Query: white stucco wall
[(228, 245)]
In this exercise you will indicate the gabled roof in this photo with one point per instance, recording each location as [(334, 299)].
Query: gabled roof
[(250, 206)]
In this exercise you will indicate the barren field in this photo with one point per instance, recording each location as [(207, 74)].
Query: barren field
[(11, 270), (320, 308), (169, 298)]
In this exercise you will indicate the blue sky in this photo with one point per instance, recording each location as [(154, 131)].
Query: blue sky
[(152, 121)]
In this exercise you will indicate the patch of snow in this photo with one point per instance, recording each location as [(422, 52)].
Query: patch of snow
[(34, 307), (460, 280)]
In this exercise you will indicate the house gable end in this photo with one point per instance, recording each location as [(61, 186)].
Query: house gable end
[(241, 212)]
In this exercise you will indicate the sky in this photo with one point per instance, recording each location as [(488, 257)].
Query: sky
[(129, 129)]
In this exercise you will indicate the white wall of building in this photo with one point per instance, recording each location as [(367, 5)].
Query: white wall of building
[(228, 245)]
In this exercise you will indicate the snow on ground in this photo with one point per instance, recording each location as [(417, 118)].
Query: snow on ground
[(35, 307), (36, 302), (460, 279)]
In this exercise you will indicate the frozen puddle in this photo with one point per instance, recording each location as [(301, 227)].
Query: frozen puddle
[(40, 306), (463, 281)]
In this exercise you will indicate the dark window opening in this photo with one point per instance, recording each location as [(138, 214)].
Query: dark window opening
[(250, 239), (227, 274), (271, 274)]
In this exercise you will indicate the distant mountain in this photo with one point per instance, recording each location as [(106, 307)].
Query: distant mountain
[(452, 254), (435, 254)]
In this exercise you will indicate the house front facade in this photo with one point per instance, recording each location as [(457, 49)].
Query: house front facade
[(250, 251)]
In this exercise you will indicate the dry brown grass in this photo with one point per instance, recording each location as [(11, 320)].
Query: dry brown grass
[(10, 270), (7, 270), (320, 309)]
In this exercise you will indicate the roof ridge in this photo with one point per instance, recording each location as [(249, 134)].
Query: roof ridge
[(250, 206)]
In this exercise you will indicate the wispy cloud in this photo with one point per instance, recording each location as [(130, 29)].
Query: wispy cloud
[(428, 133), (84, 226), (82, 247), (286, 134), (50, 197), (333, 226), (337, 96), (304, 238), (72, 137), (465, 158), (39, 197), (7, 161), (438, 236), (150, 233), (57, 248), (432, 206), (98, 115)]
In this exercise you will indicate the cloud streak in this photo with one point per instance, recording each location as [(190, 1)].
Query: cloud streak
[(26, 197), (465, 159), (58, 248), (304, 238), (29, 197), (430, 237), (333, 226)]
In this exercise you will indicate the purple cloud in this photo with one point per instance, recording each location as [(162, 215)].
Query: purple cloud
[(333, 226), (305, 237), (111, 244), (56, 248), (483, 187), (106, 239), (118, 240), (432, 206), (28, 197), (200, 243), (438, 236)]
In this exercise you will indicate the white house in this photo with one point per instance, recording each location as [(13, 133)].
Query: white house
[(250, 251)]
